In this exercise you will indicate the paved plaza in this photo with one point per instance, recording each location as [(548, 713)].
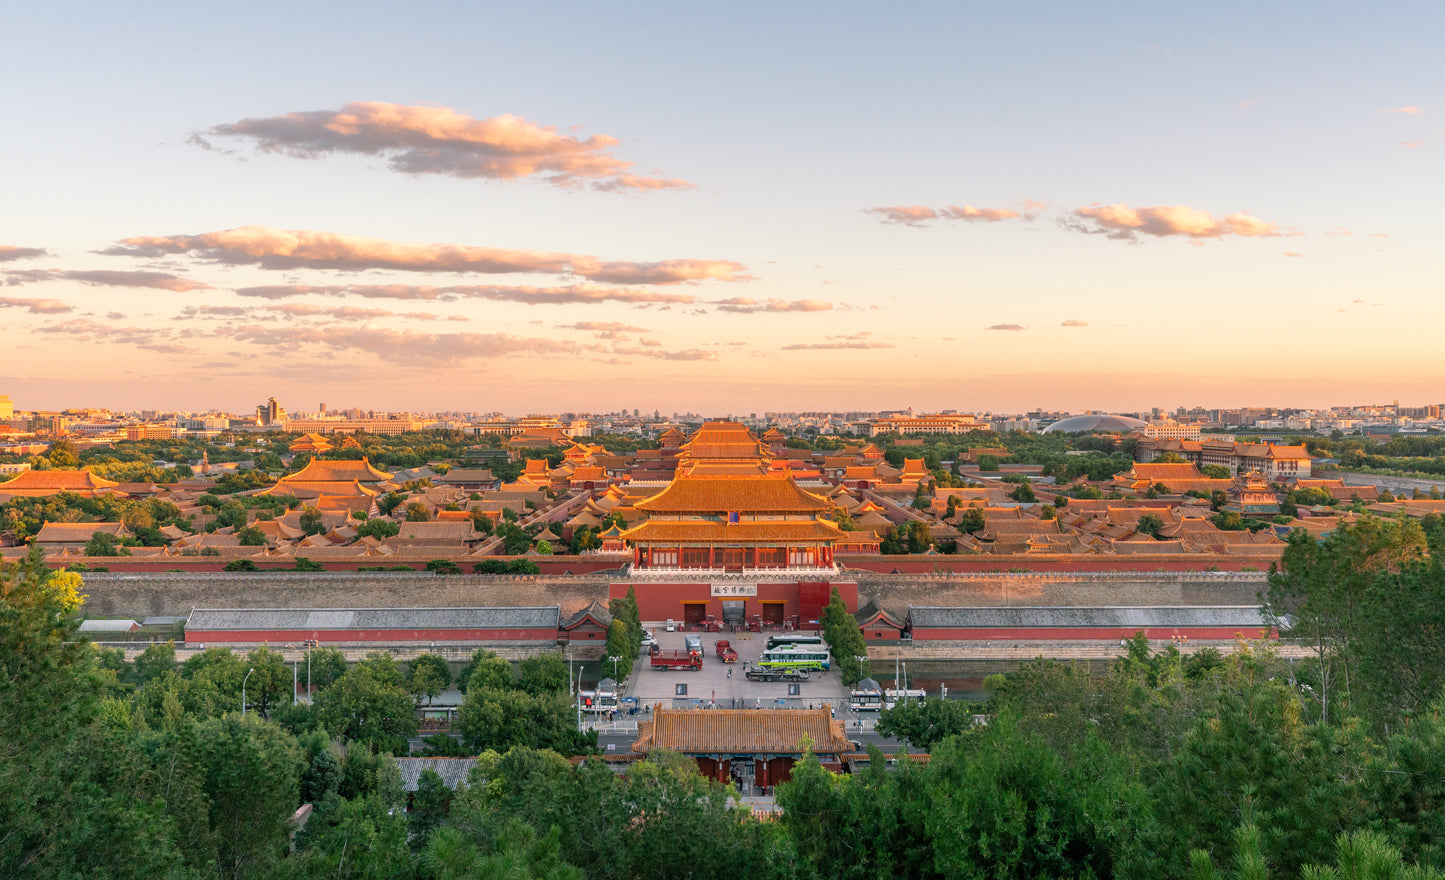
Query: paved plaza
[(713, 687)]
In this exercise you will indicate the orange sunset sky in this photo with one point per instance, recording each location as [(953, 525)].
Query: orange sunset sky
[(722, 209)]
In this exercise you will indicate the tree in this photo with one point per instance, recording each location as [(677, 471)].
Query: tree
[(845, 640), (270, 680), (378, 528), (443, 566), (1006, 805), (503, 719), (327, 665), (368, 704), (1149, 524), (250, 773), (515, 541), (988, 463), (428, 807), (417, 512), (544, 548), (389, 502), (1024, 494), (103, 544), (155, 662), (543, 674), (1401, 649), (311, 520), (481, 522), (621, 643), (251, 536), (240, 565), (1323, 587), (971, 521), (485, 669), (428, 676), (1215, 471), (925, 723)]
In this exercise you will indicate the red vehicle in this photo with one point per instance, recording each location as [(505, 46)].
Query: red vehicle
[(676, 660), (726, 652)]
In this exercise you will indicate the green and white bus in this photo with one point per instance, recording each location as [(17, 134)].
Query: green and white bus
[(795, 657)]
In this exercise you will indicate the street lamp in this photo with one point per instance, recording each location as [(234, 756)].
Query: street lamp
[(243, 690), (295, 675), (614, 666)]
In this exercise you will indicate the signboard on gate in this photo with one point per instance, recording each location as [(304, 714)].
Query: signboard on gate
[(724, 591)]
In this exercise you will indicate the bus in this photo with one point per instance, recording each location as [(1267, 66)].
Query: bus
[(866, 696), (894, 696), (778, 640), (795, 657)]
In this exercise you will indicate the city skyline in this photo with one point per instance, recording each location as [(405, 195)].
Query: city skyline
[(973, 209)]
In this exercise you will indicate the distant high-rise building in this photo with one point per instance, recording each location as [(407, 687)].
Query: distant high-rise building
[(270, 413), (323, 409), (7, 409)]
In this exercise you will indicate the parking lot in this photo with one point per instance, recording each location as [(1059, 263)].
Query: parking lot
[(713, 687)]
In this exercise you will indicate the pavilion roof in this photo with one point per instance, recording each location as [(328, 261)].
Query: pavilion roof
[(34, 482), (759, 493), (329, 471)]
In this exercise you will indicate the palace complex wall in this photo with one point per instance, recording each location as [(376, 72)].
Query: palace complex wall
[(176, 593)]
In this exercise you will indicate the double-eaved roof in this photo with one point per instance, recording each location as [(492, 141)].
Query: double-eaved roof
[(759, 493)]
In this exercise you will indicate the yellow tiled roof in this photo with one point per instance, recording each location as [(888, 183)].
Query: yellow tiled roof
[(654, 531), (760, 493), (744, 731)]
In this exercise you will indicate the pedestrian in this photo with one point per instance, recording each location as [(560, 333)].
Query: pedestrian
[(730, 672)]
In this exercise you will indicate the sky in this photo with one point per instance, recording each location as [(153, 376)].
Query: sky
[(722, 208)]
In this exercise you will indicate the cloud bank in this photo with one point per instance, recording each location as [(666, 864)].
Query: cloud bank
[(291, 249), (11, 252), (917, 215), (1123, 222), (746, 305), (35, 306), (106, 278), (440, 140), (572, 294)]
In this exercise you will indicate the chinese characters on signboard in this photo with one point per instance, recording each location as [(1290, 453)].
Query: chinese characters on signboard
[(729, 590)]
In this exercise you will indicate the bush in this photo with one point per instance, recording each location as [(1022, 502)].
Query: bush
[(240, 565)]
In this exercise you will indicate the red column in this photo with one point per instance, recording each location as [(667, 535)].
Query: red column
[(712, 557)]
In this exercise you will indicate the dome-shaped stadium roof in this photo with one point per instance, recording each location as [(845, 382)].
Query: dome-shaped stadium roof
[(1104, 424)]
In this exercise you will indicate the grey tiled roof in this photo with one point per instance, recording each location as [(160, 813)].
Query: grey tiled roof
[(1036, 617), (221, 619), (453, 771)]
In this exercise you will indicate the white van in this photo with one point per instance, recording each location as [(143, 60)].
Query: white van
[(671, 625)]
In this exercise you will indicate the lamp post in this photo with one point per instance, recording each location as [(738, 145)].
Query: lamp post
[(295, 675), (614, 666), (243, 690)]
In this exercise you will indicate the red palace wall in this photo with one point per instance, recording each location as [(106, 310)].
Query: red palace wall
[(1081, 634), (381, 636), (806, 599)]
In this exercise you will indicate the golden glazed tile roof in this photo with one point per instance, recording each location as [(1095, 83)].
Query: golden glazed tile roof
[(319, 471), (741, 731), (760, 493), (655, 531), (33, 482)]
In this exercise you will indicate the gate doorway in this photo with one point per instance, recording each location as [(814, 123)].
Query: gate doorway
[(694, 612), (773, 613), (733, 611)]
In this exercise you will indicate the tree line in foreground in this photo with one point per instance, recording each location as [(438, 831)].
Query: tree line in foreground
[(1197, 766)]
